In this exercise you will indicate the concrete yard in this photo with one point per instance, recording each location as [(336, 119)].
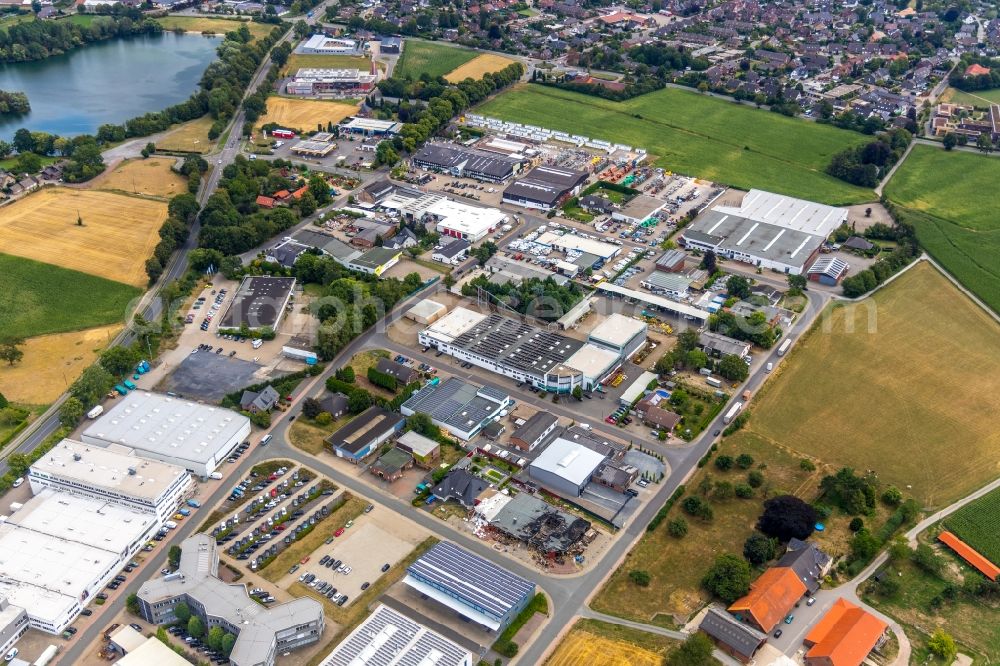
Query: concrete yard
[(209, 376)]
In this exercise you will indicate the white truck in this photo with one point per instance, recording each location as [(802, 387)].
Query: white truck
[(46, 656), (733, 411), (784, 347)]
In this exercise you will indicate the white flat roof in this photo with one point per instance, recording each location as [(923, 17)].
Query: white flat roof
[(58, 545), (128, 638), (426, 308), (652, 299), (108, 468), (152, 653), (618, 329), (168, 426), (371, 124), (462, 217), (592, 361), (788, 212), (453, 324), (573, 242), (637, 387), (417, 443), (570, 460)]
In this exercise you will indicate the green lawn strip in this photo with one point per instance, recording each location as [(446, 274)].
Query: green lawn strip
[(37, 298), (538, 604), (430, 58), (698, 135)]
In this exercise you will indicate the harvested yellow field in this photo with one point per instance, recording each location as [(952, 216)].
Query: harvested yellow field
[(190, 137), (151, 177), (583, 647), (304, 114), (475, 68), (118, 232), (215, 26), (51, 363)]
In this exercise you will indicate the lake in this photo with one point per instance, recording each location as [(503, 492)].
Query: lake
[(106, 82)]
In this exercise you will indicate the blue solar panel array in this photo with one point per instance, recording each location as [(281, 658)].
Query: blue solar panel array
[(473, 580)]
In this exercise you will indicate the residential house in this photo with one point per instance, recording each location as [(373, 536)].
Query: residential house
[(461, 486), (334, 404), (772, 597), (256, 403), (403, 374), (808, 562)]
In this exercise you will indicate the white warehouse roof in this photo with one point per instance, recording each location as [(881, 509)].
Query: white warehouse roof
[(594, 362), (617, 329), (567, 242), (569, 460), (787, 212), (637, 388), (167, 426), (453, 324)]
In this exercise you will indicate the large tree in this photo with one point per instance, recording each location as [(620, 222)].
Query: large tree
[(195, 627), (695, 651), (728, 578), (120, 360), (734, 368), (182, 612), (738, 286), (786, 517), (9, 350), (759, 549), (71, 412)]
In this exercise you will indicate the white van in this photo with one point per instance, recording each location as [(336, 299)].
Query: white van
[(215, 475), (256, 343), (770, 366), (265, 439)]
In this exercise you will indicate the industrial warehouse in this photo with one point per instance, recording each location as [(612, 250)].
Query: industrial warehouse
[(768, 230), (475, 588), (461, 408), (547, 360), (259, 302), (544, 187), (328, 81), (193, 436), (452, 218), (464, 162)]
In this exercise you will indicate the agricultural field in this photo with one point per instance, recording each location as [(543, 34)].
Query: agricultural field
[(304, 114), (597, 643), (117, 234), (914, 366), (201, 24), (978, 524), (475, 68), (189, 137), (676, 566), (152, 177), (52, 362), (950, 194), (699, 136), (430, 58), (299, 60), (39, 298), (980, 98)]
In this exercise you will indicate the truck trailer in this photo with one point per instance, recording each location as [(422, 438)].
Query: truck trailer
[(784, 347), (733, 411)]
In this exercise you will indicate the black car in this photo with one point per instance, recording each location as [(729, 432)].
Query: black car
[(136, 627), (777, 633), (385, 567), (364, 586), (716, 433), (86, 612)]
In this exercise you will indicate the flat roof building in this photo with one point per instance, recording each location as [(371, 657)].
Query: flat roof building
[(426, 311), (113, 474), (365, 433), (474, 587), (453, 218), (636, 388), (314, 148), (766, 230), (534, 431), (461, 408), (672, 285), (330, 81), (620, 334), (59, 550), (565, 467), (259, 301), (544, 187), (570, 242), (638, 209), (322, 44), (261, 632), (465, 162), (517, 350), (375, 261), (389, 638), (178, 432), (372, 126)]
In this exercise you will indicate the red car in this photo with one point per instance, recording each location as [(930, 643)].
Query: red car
[(339, 532), (304, 560)]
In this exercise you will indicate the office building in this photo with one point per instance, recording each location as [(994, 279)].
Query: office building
[(262, 633), (323, 45), (13, 624), (113, 474), (330, 81), (190, 435), (472, 586)]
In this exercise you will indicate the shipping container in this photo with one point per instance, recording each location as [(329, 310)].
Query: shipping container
[(713, 381)]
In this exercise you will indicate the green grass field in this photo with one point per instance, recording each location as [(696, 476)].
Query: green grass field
[(699, 136), (900, 384), (430, 57), (39, 298), (951, 193), (979, 98), (978, 524)]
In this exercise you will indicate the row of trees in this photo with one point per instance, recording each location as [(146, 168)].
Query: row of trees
[(752, 328), (542, 299), (37, 40), (181, 212), (888, 264)]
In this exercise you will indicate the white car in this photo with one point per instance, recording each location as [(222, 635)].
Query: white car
[(10, 655), (17, 483), (347, 570)]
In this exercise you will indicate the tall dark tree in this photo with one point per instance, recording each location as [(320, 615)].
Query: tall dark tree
[(786, 517)]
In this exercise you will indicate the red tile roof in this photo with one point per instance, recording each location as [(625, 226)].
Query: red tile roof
[(771, 597), (297, 194), (282, 194), (266, 202), (844, 636), (970, 555), (975, 69)]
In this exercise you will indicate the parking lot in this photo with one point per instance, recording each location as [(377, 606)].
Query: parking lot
[(210, 376)]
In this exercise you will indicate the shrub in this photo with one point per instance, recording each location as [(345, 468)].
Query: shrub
[(724, 462), (697, 507), (743, 491), (755, 479), (744, 461), (677, 528), (892, 496), (639, 577), (856, 524), (807, 465)]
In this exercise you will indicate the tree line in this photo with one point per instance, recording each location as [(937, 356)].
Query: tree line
[(37, 40), (542, 299), (886, 266), (865, 165), (959, 80)]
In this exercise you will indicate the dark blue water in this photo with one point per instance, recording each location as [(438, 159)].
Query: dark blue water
[(107, 82)]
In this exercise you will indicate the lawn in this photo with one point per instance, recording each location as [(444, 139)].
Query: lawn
[(190, 137), (597, 643), (676, 566), (202, 24), (117, 234), (430, 57), (698, 135), (950, 193), (39, 298), (978, 524), (475, 68), (979, 98), (299, 60), (52, 362), (308, 436), (304, 114), (900, 384), (151, 177)]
